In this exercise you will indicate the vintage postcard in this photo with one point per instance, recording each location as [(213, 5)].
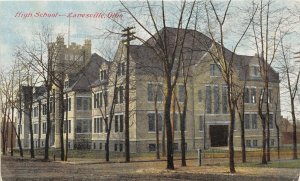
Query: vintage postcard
[(150, 90)]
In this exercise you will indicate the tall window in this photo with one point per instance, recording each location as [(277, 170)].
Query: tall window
[(83, 126), (97, 125), (254, 72), (271, 125), (181, 93), (51, 104), (224, 100), (250, 95), (105, 98), (248, 143), (175, 124), (250, 121), (44, 128), (116, 123), (254, 143), (253, 95), (101, 125), (69, 104), (119, 95), (100, 99), (270, 96), (121, 123), (35, 129), (201, 121), (160, 120), (103, 75), (155, 89), (44, 112), (96, 100), (67, 127), (214, 70), (208, 101), (66, 84), (199, 95), (35, 112), (254, 121), (216, 100), (121, 69), (151, 122), (83, 103), (247, 121)]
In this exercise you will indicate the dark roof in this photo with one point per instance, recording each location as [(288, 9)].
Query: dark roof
[(82, 80), (196, 44), (146, 58)]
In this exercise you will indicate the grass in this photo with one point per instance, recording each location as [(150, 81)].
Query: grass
[(273, 164), (211, 156)]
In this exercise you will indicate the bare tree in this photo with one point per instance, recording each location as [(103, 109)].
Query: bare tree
[(266, 26), (241, 112), (226, 62), (5, 94), (166, 54), (292, 75)]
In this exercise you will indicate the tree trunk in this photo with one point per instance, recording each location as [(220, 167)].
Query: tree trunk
[(173, 113), (167, 109), (242, 121), (61, 122), (231, 148), (3, 132), (243, 139), (67, 127), (264, 156), (268, 141), (20, 122), (156, 126), (295, 156), (48, 130), (107, 147), (30, 124), (182, 129), (20, 145), (278, 142), (12, 133), (163, 139), (40, 123)]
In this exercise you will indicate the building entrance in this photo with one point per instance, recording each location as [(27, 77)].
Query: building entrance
[(218, 135)]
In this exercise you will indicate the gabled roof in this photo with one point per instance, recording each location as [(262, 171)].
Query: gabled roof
[(82, 80), (196, 44)]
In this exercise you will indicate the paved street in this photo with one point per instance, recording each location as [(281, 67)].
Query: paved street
[(17, 169)]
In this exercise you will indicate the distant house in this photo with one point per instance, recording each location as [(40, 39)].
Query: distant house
[(286, 132)]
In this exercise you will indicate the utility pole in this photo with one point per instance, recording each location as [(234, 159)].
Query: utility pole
[(67, 127), (129, 36)]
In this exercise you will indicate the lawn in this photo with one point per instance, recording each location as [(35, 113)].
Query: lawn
[(273, 164)]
